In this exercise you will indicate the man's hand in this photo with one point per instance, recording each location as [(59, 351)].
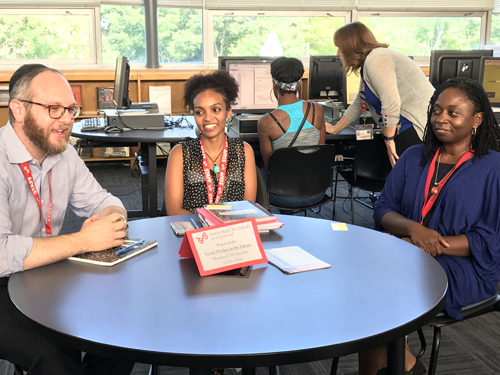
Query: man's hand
[(103, 233)]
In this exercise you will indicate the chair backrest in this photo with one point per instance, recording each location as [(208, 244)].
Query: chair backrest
[(371, 160), (300, 171), (262, 196)]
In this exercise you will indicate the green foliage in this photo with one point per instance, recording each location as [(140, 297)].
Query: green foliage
[(417, 36), (495, 29), (44, 37), (123, 33), (298, 36), (180, 34)]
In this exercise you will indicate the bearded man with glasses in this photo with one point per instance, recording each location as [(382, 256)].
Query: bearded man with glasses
[(40, 177)]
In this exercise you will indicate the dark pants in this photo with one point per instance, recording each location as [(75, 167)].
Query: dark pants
[(39, 355), (406, 139)]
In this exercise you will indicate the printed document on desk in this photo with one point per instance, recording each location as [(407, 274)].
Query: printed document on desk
[(293, 259), (161, 95)]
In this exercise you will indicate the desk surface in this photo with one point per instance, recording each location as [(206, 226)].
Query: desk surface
[(145, 136), (155, 308), (182, 134)]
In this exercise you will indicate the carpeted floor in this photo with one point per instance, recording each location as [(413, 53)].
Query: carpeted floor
[(467, 348)]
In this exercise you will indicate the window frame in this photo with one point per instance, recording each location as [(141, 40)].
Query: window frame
[(211, 61), (93, 23), (425, 60)]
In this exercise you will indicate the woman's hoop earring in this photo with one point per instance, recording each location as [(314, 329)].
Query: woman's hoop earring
[(474, 131)]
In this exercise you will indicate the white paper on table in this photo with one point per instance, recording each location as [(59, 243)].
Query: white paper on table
[(162, 95)]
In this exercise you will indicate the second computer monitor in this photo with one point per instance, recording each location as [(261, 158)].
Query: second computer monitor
[(489, 77), (326, 78), (447, 64), (120, 90), (253, 75)]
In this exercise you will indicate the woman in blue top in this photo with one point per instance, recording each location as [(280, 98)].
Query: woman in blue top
[(443, 197), (278, 128), (393, 88)]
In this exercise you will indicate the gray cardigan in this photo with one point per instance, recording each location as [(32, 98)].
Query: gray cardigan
[(401, 86)]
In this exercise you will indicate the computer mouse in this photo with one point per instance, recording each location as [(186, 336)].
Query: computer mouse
[(113, 129)]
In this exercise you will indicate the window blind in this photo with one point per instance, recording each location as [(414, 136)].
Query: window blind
[(426, 5), (283, 5), (47, 3), (497, 6), (93, 3)]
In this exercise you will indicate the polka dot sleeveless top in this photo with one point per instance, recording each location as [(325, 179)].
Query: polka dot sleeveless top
[(195, 188)]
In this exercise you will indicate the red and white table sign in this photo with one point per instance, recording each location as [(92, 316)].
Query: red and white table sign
[(224, 247)]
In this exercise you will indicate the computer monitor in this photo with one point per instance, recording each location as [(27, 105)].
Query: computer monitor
[(326, 78), (489, 77), (446, 64), (120, 91), (352, 82), (253, 75)]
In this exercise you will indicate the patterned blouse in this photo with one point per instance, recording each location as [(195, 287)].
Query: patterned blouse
[(195, 188)]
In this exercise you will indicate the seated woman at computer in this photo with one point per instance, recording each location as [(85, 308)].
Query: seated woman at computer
[(393, 88), (444, 197), (211, 168), (294, 123)]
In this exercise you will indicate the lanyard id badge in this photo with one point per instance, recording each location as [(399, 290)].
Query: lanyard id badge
[(364, 132)]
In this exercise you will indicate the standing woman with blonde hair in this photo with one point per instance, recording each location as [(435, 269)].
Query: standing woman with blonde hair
[(393, 88)]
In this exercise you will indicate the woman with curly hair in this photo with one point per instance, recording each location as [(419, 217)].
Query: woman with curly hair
[(444, 197), (211, 168)]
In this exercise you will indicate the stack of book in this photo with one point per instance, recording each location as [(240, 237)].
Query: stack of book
[(228, 212)]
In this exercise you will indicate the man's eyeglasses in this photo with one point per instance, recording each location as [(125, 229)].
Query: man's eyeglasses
[(57, 111)]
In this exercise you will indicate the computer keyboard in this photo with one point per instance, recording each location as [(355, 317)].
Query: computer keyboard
[(94, 123)]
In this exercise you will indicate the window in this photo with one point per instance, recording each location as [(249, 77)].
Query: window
[(180, 35), (495, 29), (63, 36), (272, 33), (418, 35), (188, 35), (123, 33)]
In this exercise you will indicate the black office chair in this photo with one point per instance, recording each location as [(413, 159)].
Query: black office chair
[(370, 170), (262, 196), (441, 320), (17, 369), (302, 172)]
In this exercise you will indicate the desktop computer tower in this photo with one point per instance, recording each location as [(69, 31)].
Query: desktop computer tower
[(135, 118), (245, 123)]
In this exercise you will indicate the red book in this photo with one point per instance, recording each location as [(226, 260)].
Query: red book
[(240, 210), (77, 93)]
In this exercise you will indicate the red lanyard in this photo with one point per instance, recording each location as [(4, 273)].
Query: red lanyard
[(208, 177), (362, 97), (429, 203), (27, 173)]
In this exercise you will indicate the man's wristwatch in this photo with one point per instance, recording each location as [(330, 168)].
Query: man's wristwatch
[(124, 220), (386, 138)]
